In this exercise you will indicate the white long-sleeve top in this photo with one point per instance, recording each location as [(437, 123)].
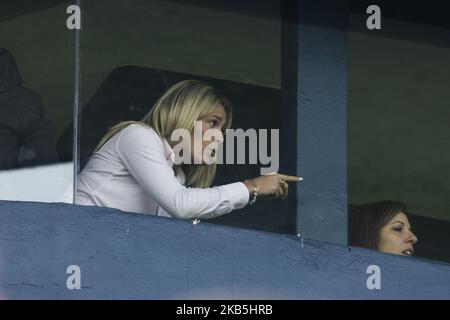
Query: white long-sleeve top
[(133, 172)]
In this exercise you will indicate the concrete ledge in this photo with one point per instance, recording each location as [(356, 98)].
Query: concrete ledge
[(132, 256)]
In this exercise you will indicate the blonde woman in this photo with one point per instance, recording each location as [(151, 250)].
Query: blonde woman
[(134, 167)]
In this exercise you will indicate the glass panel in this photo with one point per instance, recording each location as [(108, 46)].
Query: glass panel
[(399, 133), (36, 101), (133, 51)]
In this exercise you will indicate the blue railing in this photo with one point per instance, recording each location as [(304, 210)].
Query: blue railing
[(126, 256)]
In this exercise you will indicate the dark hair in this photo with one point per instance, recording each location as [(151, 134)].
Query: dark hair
[(366, 221)]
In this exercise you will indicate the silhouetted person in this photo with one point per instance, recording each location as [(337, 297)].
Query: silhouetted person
[(26, 136)]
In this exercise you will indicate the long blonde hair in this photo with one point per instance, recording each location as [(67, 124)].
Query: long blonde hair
[(178, 108)]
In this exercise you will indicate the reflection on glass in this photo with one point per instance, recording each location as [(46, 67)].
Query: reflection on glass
[(26, 135), (36, 92)]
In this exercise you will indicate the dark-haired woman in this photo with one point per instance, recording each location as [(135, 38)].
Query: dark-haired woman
[(382, 226)]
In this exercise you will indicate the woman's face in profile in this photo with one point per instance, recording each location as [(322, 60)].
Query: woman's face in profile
[(397, 237), (215, 120)]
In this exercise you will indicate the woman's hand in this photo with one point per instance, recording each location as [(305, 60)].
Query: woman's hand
[(272, 185)]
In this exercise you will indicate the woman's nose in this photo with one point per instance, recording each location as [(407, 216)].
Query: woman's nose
[(412, 238), (218, 137)]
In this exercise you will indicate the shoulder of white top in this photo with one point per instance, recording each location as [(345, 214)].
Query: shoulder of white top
[(141, 133), (138, 126), (141, 129)]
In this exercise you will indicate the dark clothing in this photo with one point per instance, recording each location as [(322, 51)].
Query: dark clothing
[(26, 135)]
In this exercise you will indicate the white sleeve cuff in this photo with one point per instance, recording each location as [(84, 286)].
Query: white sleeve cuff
[(238, 194)]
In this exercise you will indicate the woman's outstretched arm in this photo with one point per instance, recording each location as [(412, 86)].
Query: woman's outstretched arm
[(142, 152)]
